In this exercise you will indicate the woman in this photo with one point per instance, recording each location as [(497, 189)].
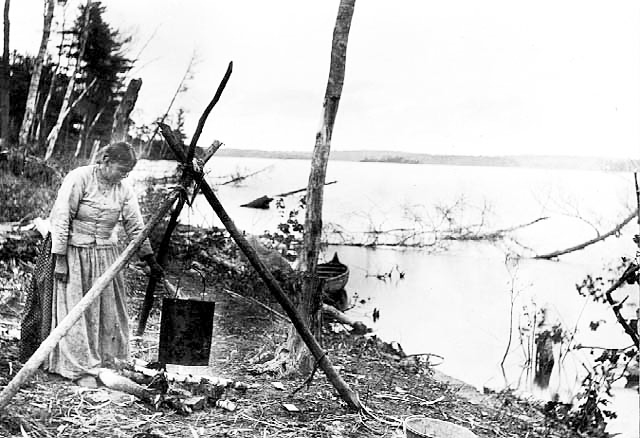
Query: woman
[(90, 202)]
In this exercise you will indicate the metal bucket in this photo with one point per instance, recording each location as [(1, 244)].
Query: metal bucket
[(185, 331), (418, 426)]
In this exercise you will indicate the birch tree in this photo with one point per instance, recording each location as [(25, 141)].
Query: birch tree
[(4, 80), (41, 123), (66, 107), (32, 97)]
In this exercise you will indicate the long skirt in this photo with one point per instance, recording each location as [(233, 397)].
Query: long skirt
[(102, 334)]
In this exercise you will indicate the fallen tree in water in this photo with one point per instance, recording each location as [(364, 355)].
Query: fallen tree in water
[(263, 201), (615, 231)]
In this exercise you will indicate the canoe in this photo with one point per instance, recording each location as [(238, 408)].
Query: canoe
[(334, 273)]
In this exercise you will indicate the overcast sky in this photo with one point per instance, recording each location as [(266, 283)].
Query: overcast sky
[(454, 77)]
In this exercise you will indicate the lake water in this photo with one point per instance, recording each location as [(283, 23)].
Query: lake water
[(455, 297)]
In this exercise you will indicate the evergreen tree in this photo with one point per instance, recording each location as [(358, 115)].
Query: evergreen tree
[(98, 50), (104, 64)]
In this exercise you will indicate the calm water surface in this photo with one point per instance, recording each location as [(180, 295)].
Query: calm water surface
[(455, 302)]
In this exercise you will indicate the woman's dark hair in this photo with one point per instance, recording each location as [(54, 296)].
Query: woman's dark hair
[(120, 152)]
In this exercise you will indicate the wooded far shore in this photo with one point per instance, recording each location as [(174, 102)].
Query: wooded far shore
[(533, 161)]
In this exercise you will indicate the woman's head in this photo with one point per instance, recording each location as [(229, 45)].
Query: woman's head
[(116, 161)]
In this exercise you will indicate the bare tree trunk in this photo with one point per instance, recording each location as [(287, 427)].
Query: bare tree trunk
[(94, 150), (30, 108), (612, 232), (4, 80), (52, 138), (83, 134), (121, 117), (41, 128), (310, 301)]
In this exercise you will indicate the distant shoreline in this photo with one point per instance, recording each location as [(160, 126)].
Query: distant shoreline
[(531, 161)]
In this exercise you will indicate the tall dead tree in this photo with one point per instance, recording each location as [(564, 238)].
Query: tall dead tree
[(121, 117), (66, 107), (4, 80), (32, 96), (41, 123), (310, 301)]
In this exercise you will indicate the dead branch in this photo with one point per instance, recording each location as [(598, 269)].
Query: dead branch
[(493, 235), (256, 302), (207, 110), (614, 232), (282, 195), (630, 272), (179, 89), (243, 177)]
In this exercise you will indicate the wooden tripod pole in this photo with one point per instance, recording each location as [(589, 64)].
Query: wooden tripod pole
[(147, 304), (347, 394), (76, 312), (186, 179)]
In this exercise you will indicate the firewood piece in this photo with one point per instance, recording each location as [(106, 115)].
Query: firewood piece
[(227, 405), (112, 380), (195, 403)]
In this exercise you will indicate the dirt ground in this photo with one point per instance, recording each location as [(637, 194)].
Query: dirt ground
[(391, 389)]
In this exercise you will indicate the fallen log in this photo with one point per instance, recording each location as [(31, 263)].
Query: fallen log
[(142, 367), (359, 327), (263, 201), (76, 313), (113, 380)]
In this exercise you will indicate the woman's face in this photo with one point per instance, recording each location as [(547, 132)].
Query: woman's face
[(115, 172)]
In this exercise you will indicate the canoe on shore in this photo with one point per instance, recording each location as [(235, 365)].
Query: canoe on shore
[(334, 273)]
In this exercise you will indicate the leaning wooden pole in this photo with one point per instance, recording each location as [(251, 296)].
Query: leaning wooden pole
[(76, 312), (347, 394)]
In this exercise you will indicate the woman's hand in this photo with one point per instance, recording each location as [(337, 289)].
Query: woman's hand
[(61, 270), (156, 270)]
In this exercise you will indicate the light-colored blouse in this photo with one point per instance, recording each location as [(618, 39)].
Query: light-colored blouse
[(87, 211)]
